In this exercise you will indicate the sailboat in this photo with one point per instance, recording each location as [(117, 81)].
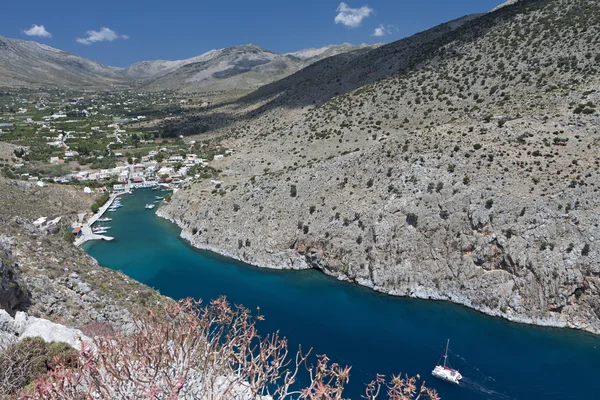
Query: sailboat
[(446, 373)]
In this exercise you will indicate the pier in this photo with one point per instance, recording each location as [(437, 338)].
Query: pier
[(86, 228)]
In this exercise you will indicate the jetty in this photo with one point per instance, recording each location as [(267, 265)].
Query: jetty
[(86, 229)]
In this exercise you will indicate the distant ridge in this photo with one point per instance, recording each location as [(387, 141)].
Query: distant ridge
[(27, 63)]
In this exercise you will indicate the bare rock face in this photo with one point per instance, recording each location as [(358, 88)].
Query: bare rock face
[(24, 326), (49, 331), (470, 176)]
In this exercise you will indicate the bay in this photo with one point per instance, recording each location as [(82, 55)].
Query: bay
[(372, 332)]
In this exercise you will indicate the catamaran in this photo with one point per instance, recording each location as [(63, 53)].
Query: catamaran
[(446, 373)]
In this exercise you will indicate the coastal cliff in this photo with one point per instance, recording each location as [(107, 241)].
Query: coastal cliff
[(468, 175)]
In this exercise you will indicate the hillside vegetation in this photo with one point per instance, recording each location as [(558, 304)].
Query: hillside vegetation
[(467, 171)]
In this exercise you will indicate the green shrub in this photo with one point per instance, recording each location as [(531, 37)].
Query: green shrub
[(412, 219), (100, 201), (69, 237), (29, 359)]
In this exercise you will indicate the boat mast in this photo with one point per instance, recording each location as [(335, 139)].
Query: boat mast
[(446, 353)]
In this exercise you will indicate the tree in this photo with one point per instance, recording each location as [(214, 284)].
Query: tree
[(186, 350), (69, 237), (412, 219)]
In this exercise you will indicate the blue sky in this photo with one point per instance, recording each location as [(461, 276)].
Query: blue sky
[(175, 29)]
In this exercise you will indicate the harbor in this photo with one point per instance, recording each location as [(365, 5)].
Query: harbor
[(88, 231)]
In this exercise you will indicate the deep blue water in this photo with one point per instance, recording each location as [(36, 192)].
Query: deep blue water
[(372, 332)]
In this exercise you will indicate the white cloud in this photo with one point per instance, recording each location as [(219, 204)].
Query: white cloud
[(37, 30), (382, 30), (352, 17), (104, 34)]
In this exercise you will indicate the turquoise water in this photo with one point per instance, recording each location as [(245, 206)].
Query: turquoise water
[(373, 333)]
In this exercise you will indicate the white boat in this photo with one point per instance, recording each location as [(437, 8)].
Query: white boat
[(149, 206), (158, 197), (99, 232), (105, 220), (446, 373)]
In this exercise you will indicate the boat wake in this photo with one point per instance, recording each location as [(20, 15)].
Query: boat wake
[(479, 387), (476, 381)]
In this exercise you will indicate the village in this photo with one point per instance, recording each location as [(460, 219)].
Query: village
[(103, 142)]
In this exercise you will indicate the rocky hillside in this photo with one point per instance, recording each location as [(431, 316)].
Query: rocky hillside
[(468, 172), (47, 277)]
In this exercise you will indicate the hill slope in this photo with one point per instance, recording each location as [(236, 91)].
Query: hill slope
[(30, 63), (471, 174)]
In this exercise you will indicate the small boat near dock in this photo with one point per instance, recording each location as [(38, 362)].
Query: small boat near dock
[(104, 220)]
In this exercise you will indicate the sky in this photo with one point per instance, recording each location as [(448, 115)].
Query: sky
[(119, 33)]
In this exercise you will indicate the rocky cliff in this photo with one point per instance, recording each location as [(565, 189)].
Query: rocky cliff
[(470, 174)]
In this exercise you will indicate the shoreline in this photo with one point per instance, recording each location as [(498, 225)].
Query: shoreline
[(421, 293)]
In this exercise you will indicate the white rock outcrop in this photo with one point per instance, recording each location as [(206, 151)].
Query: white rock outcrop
[(24, 326)]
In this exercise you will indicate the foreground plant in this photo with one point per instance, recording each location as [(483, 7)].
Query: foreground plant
[(190, 351)]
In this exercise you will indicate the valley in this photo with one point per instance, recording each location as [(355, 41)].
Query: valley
[(368, 184)]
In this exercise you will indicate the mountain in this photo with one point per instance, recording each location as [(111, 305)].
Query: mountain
[(240, 68), (153, 69), (459, 164), (343, 72), (30, 63)]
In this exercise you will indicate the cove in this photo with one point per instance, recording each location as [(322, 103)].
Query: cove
[(372, 332)]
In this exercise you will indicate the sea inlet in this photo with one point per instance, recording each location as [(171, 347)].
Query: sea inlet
[(372, 332)]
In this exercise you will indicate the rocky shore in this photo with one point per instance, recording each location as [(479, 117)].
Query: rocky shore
[(290, 259)]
